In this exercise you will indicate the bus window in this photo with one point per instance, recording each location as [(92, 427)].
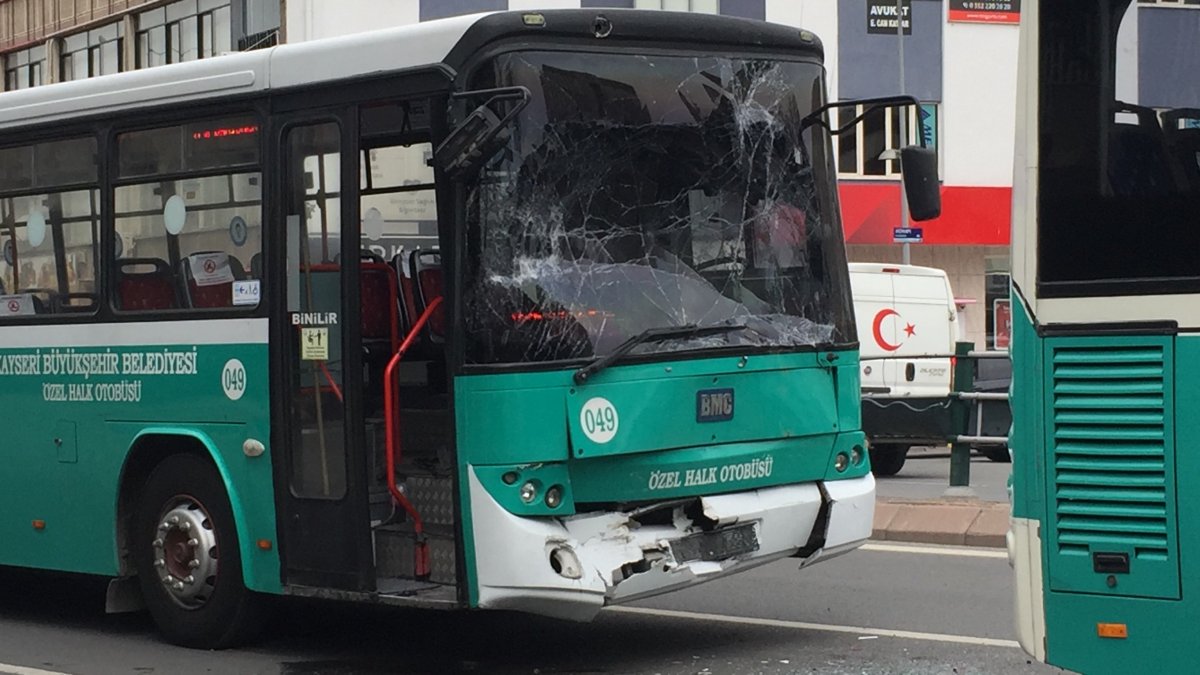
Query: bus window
[(198, 236), (48, 235), (399, 205)]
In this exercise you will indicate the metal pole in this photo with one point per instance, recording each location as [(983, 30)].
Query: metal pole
[(960, 417), (903, 112)]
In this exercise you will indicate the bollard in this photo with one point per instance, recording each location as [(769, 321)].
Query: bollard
[(960, 453)]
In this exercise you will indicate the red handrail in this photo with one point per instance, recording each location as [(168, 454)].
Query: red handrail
[(391, 423), (333, 384)]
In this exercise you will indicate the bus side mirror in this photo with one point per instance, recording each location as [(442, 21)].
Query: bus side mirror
[(921, 187), (471, 144), (481, 135)]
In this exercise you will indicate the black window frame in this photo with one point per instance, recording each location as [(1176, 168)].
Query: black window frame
[(170, 26), (92, 44), (95, 186), (255, 111)]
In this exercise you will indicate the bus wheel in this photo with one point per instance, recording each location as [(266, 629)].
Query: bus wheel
[(186, 554), (887, 458), (996, 453)]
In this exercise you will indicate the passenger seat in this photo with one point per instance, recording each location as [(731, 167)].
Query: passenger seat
[(145, 284)]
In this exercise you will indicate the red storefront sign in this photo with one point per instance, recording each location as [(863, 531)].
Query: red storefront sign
[(971, 216), (985, 11)]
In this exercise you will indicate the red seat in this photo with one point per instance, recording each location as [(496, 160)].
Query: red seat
[(145, 284), (210, 295), (430, 284), (378, 299)]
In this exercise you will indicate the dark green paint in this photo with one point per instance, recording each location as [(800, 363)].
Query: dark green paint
[(1159, 628), (799, 410), (74, 489)]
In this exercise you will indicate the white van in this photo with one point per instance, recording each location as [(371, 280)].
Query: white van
[(907, 327)]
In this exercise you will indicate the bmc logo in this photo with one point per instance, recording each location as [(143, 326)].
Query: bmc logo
[(714, 405)]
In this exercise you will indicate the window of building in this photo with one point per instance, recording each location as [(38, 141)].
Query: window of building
[(49, 223), (184, 31), (858, 150), (260, 25), (93, 53), (193, 238), (25, 68)]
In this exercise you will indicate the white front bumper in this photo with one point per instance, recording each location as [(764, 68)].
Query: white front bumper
[(619, 561)]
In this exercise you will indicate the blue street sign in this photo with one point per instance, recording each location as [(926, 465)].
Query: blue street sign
[(901, 235)]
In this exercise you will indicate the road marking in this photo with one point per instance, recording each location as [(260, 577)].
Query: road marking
[(828, 628), (937, 550), (8, 669)]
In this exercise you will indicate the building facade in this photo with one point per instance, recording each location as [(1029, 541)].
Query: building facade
[(960, 63)]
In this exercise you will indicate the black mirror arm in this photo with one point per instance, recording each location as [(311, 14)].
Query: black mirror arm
[(518, 93), (816, 117)]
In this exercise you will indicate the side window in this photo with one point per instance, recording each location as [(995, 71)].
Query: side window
[(191, 240), (49, 224), (399, 204)]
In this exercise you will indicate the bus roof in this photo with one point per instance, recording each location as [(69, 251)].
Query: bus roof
[(443, 42), (329, 59)]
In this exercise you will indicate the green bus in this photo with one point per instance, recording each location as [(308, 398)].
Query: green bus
[(1106, 268), (528, 311)]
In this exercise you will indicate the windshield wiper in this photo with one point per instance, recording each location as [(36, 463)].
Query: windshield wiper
[(649, 335)]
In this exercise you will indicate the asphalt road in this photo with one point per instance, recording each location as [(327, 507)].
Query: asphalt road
[(926, 475), (882, 609)]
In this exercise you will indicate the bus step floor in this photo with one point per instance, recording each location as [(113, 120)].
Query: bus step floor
[(393, 586)]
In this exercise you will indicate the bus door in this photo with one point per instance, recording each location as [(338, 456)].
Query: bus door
[(324, 516)]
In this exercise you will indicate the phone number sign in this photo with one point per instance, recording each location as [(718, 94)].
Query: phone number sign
[(985, 11)]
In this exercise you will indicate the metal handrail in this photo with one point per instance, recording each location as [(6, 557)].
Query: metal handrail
[(391, 404)]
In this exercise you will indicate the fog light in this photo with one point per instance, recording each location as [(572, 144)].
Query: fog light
[(509, 477), (841, 461), (565, 563), (554, 497), (856, 456), (528, 492)]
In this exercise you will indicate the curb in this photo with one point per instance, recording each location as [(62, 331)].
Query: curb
[(955, 522)]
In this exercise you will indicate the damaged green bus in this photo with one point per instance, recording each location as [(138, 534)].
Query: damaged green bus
[(530, 311)]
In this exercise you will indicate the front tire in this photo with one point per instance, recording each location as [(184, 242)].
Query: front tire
[(187, 558), (996, 453), (887, 459)]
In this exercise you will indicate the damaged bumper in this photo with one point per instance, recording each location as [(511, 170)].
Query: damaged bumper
[(573, 567)]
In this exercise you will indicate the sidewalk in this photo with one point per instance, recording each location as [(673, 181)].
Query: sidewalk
[(961, 522)]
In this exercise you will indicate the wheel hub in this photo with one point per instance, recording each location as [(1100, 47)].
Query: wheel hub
[(185, 552)]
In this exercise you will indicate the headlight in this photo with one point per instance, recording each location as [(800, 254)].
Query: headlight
[(528, 492), (841, 461)]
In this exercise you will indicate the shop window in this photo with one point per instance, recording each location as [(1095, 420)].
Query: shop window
[(858, 149)]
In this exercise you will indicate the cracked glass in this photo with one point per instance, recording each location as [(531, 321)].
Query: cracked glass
[(650, 191)]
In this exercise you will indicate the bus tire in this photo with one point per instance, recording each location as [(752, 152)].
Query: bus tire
[(187, 557), (888, 458)]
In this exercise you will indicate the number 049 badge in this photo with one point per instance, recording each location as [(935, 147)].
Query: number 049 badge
[(599, 420)]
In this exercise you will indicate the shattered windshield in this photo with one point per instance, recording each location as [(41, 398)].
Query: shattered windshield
[(639, 192)]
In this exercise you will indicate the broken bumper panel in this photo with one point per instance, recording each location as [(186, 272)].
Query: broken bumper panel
[(573, 567)]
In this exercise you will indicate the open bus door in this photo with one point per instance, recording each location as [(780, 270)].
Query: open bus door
[(324, 520)]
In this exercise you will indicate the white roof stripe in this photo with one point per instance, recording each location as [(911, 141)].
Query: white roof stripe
[(159, 333), (390, 49)]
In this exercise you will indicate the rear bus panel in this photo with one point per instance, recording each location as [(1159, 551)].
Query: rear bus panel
[(1105, 441)]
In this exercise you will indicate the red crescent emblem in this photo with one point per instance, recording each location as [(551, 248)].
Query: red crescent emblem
[(877, 329)]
